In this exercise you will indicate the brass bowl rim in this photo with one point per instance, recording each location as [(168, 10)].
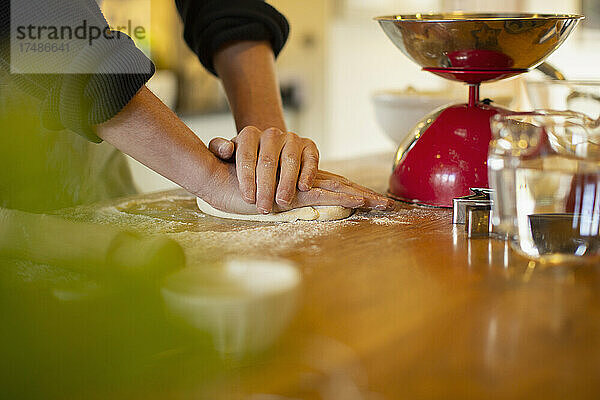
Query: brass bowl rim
[(471, 17)]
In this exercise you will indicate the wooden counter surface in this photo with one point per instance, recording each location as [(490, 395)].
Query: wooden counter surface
[(404, 306)]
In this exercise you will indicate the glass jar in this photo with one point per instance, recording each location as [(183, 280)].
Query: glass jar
[(544, 167)]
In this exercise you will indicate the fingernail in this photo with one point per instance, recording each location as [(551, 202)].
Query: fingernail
[(303, 186), (282, 198), (249, 198), (262, 209), (389, 205), (223, 148), (360, 201)]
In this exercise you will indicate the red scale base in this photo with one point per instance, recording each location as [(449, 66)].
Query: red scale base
[(450, 156)]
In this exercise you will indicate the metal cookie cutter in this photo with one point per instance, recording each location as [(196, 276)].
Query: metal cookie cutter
[(474, 211)]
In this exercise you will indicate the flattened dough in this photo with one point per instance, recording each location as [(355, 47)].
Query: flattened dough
[(313, 213)]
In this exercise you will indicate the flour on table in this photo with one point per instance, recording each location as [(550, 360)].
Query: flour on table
[(178, 217), (246, 238), (388, 218)]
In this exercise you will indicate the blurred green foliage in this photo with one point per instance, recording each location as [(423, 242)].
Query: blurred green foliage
[(42, 170), (75, 333), (66, 336)]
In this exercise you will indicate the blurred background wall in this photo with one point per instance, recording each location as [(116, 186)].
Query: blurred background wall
[(337, 57)]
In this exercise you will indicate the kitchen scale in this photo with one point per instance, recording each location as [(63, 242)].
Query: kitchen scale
[(445, 154)]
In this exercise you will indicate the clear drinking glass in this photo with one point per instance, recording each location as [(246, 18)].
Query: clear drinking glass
[(544, 167)]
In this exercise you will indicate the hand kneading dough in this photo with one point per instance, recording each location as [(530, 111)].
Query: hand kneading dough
[(312, 213)]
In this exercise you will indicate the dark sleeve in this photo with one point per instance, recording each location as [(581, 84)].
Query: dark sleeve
[(82, 87), (209, 24)]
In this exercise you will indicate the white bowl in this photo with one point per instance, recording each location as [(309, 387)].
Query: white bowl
[(244, 304), (397, 112)]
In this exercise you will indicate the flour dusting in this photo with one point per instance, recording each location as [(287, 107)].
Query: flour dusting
[(383, 218), (207, 238)]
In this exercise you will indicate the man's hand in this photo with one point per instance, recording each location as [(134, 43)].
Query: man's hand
[(223, 193), (152, 134), (279, 161), (272, 164)]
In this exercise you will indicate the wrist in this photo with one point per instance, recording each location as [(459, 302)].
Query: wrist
[(204, 175)]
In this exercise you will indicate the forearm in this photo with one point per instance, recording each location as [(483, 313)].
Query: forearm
[(247, 70), (152, 134)]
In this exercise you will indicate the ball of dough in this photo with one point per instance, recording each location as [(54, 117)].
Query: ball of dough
[(311, 213)]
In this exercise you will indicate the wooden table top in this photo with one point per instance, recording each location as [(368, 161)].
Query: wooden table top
[(399, 305)]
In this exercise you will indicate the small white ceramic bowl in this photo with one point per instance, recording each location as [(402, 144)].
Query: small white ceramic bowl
[(243, 304), (397, 112)]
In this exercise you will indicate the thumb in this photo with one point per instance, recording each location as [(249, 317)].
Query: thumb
[(222, 148)]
